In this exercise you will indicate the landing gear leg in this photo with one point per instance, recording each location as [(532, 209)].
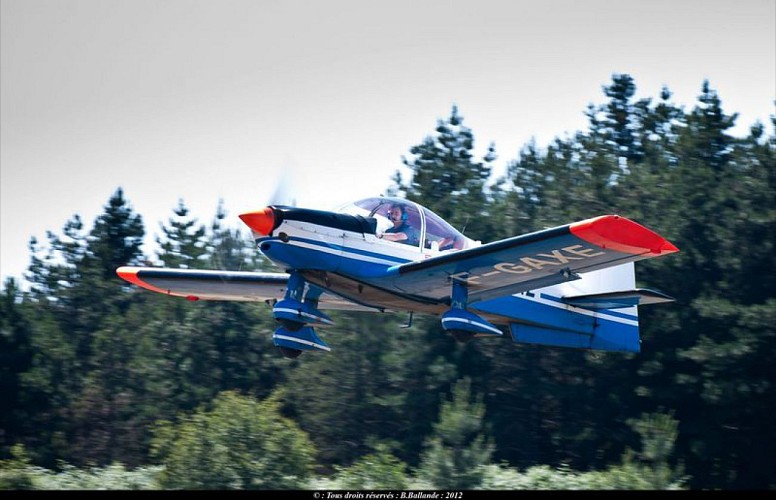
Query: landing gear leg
[(297, 310), (462, 324)]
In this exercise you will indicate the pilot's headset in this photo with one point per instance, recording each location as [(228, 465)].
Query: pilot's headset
[(402, 208)]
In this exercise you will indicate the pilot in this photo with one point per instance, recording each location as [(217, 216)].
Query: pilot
[(401, 230)]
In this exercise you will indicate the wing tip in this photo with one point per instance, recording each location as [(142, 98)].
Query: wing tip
[(130, 274), (620, 234), (127, 273)]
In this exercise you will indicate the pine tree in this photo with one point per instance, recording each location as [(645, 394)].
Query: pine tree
[(458, 447), (16, 356), (80, 368), (658, 433), (734, 310), (228, 249), (183, 244), (448, 180), (116, 238), (56, 266)]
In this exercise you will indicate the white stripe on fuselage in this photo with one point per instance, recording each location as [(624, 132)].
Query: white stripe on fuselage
[(322, 237), (322, 247), (578, 310)]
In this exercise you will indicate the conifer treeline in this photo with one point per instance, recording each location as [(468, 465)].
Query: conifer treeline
[(91, 365)]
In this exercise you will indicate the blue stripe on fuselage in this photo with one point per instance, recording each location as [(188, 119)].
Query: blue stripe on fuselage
[(305, 253)]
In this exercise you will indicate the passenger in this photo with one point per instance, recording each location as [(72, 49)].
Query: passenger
[(401, 231)]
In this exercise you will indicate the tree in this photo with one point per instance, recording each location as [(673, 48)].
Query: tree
[(16, 356), (652, 467), (458, 448), (379, 470), (381, 390), (229, 249), (79, 366), (14, 472), (621, 122), (447, 179), (183, 244), (237, 443), (116, 237)]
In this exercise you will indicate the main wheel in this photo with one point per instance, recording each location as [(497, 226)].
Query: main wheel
[(288, 352), (290, 325), (462, 335)]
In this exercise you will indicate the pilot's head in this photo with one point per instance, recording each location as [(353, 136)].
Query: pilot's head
[(397, 213)]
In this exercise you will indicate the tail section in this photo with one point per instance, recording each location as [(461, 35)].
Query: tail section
[(598, 311)]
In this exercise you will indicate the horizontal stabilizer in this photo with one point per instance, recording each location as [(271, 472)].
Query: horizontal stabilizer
[(617, 300)]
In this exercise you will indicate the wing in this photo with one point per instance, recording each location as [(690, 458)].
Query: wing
[(195, 284), (533, 260)]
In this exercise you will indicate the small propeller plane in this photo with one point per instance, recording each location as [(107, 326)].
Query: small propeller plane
[(570, 286)]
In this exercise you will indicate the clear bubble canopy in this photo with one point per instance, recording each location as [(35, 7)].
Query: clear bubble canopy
[(435, 232)]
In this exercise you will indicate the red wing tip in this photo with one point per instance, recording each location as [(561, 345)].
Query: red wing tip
[(620, 234), (668, 247), (129, 274)]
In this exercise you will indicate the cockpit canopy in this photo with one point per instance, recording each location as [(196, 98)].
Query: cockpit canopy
[(434, 232)]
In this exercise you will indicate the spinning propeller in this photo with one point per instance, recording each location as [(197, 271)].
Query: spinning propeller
[(262, 221)]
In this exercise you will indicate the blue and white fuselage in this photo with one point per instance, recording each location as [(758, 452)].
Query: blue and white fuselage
[(531, 288), (349, 242)]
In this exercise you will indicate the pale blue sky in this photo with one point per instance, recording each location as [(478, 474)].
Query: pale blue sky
[(203, 100)]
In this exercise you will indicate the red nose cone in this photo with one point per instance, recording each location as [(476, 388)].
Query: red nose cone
[(262, 221)]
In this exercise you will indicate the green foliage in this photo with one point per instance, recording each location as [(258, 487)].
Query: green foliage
[(184, 243), (380, 470), (16, 356), (239, 443), (381, 390), (116, 237), (647, 470), (15, 472), (18, 473), (112, 477), (229, 249), (540, 477), (707, 356), (458, 447), (658, 432), (447, 179)]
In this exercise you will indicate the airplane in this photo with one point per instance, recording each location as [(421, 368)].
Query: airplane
[(570, 286)]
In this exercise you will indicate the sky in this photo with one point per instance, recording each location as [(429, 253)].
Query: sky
[(208, 100)]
